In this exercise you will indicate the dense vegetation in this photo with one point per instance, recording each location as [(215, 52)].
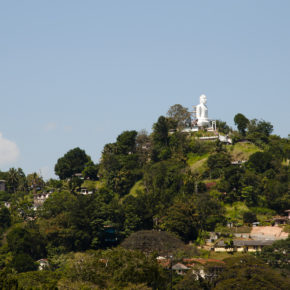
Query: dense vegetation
[(167, 181)]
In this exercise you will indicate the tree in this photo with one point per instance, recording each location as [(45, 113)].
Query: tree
[(91, 171), (260, 126), (249, 217), (248, 272), (30, 242), (126, 142), (180, 115), (13, 180), (242, 122), (277, 255), (163, 243), (222, 127), (5, 218), (182, 219), (35, 181), (116, 268), (120, 166), (23, 263), (217, 162), (74, 161), (143, 146), (260, 161), (160, 132)]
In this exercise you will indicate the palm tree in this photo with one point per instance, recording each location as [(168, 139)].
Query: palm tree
[(13, 179)]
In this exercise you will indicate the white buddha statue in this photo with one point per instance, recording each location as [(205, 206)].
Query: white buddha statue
[(202, 112)]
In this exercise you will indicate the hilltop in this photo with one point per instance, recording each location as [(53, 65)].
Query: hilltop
[(190, 184)]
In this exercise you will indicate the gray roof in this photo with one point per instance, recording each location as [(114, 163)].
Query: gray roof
[(240, 243), (179, 266)]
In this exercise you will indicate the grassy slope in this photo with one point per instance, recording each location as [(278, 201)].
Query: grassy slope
[(137, 186), (236, 211), (196, 161), (242, 151)]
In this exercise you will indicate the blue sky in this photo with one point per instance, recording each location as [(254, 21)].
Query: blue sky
[(78, 73)]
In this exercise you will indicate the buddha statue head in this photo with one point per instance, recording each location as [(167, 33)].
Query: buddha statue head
[(202, 99)]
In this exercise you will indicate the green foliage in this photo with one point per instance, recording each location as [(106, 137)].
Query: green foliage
[(90, 171), (74, 161), (242, 122), (163, 181), (169, 181), (38, 280), (35, 181), (217, 162), (259, 130), (242, 150), (8, 281), (160, 132), (114, 269), (16, 180), (247, 272), (249, 217), (4, 196), (188, 217), (26, 241), (23, 262), (222, 127), (120, 165), (161, 242), (236, 211), (5, 217), (260, 162), (180, 115), (277, 255)]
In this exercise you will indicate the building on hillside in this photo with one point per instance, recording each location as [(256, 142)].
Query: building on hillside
[(40, 198), (242, 246), (43, 264), (204, 268), (280, 220), (2, 185), (180, 269), (86, 191)]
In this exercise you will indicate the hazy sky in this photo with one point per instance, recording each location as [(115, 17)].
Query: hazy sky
[(78, 73)]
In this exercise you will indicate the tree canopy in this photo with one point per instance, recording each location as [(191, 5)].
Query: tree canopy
[(74, 161)]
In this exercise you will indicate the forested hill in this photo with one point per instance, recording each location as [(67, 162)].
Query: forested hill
[(169, 180)]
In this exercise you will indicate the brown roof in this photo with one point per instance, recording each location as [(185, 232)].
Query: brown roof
[(202, 261), (165, 263)]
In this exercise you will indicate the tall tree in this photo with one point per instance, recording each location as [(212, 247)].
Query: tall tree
[(74, 161), (242, 122), (180, 115)]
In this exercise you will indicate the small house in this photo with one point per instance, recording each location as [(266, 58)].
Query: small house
[(180, 269), (43, 264), (242, 246)]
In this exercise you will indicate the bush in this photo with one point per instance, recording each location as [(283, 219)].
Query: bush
[(249, 217)]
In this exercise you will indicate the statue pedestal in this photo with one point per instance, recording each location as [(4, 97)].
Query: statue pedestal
[(203, 123)]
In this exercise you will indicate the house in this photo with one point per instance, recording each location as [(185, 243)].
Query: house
[(86, 191), (212, 237), (2, 185), (180, 269), (242, 246), (43, 264), (40, 198), (204, 268), (280, 220)]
